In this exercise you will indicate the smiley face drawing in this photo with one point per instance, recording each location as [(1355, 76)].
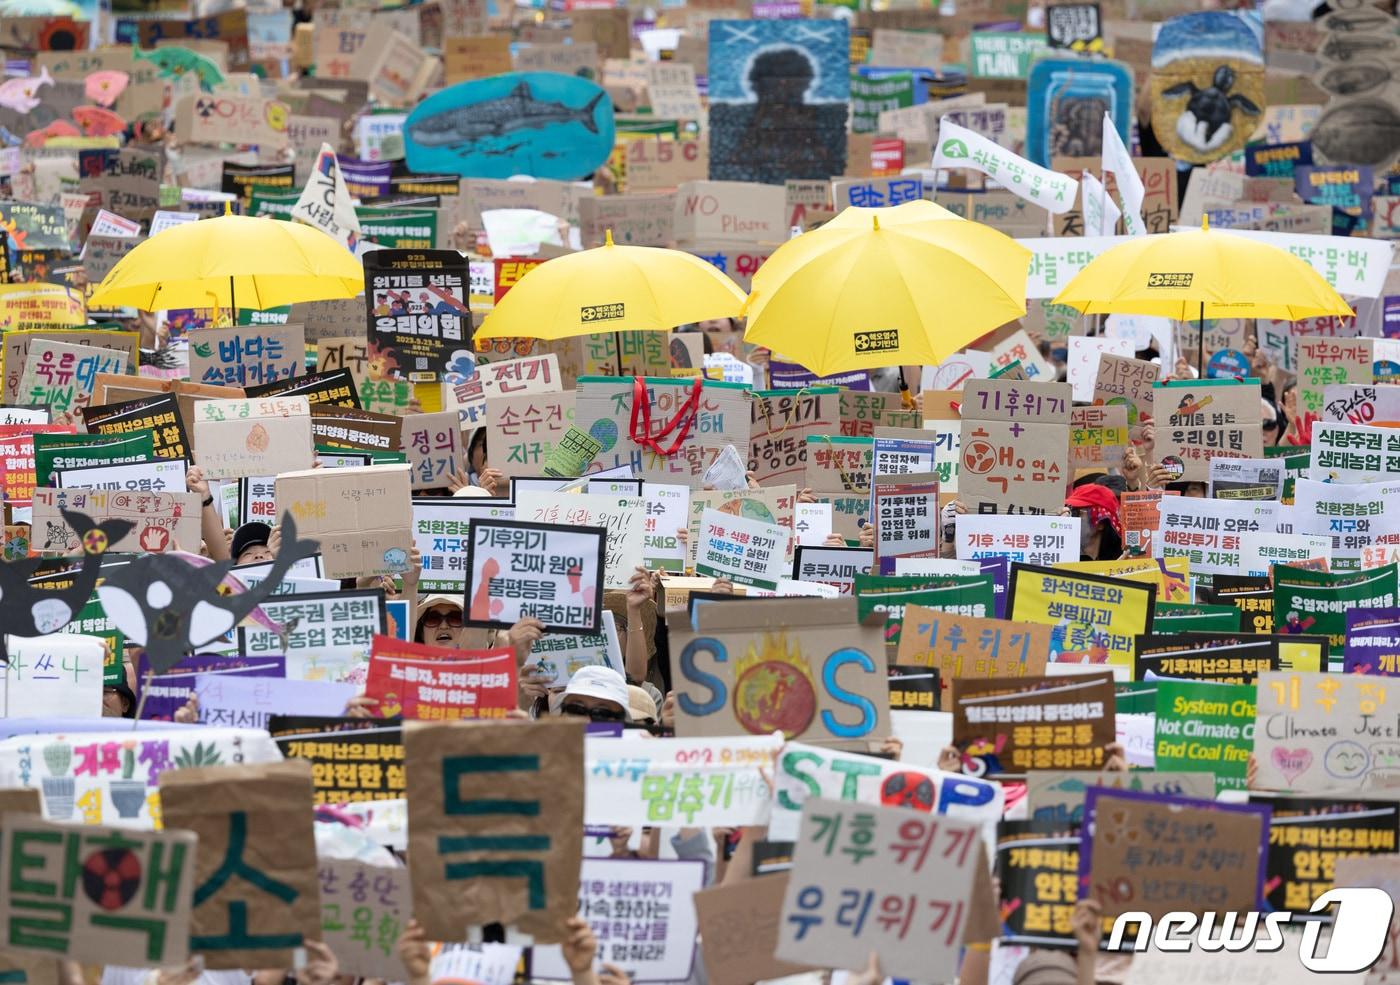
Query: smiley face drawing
[(1346, 760)]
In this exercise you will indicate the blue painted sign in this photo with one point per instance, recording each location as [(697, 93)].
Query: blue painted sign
[(541, 124)]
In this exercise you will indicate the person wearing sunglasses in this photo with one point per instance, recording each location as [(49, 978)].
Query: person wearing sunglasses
[(596, 693)]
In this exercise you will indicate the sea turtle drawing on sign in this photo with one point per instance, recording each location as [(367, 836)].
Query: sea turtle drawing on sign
[(540, 124), (1207, 84)]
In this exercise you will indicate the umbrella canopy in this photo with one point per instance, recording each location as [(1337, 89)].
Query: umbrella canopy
[(885, 287), (612, 289), (232, 260), (1199, 274)]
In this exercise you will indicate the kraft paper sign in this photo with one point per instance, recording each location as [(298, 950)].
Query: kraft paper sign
[(160, 520), (256, 891), (746, 916), (805, 667), (495, 812), (235, 438), (1323, 733), (107, 895), (363, 517)]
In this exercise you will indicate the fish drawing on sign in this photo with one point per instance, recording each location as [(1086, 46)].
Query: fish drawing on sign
[(175, 61), (98, 122), (29, 611), (20, 95), (170, 607), (1207, 85), (105, 87), (541, 124)]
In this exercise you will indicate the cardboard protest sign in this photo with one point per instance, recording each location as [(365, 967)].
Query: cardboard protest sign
[(1319, 733), (1220, 849), (1205, 726), (433, 444), (729, 769), (554, 573), (1037, 864), (57, 675), (1059, 722), (523, 429), (159, 520), (622, 519), (414, 681), (364, 909), (839, 464), (806, 772), (249, 355), (361, 516), (1199, 420), (1384, 874), (1309, 836), (252, 437), (782, 422), (808, 668), (929, 866), (256, 891), (746, 916), (1225, 657), (332, 636), (1126, 380), (60, 376), (528, 374), (114, 895), (522, 854), (352, 759), (1095, 619), (962, 646), (1327, 361), (1015, 446), (1058, 795)]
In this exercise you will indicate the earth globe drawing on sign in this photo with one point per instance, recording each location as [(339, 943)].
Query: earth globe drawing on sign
[(773, 688), (749, 509)]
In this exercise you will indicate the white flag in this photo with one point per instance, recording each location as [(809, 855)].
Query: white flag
[(959, 147), (326, 203), (1118, 162), (1100, 214)]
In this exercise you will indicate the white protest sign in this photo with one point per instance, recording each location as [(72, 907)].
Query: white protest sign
[(364, 909), (235, 438), (559, 655), (1043, 540), (1352, 453), (325, 202), (746, 551), (1354, 266), (1118, 162), (553, 573), (1357, 517), (1055, 261), (835, 566), (805, 772), (440, 528), (510, 377), (1260, 551), (651, 933), (623, 518), (1361, 403), (248, 702), (332, 636), (706, 783), (667, 513), (164, 475), (846, 856), (959, 147), (1321, 733), (1019, 348), (58, 675), (1207, 531), (811, 522)]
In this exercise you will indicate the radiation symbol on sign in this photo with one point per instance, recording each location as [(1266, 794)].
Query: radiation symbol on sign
[(95, 542), (111, 877), (979, 458)]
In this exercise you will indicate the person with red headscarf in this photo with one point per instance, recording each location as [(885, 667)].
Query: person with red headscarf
[(1100, 523)]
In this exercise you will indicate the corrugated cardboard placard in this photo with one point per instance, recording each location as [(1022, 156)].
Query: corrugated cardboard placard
[(253, 437), (257, 895), (495, 812), (363, 517)]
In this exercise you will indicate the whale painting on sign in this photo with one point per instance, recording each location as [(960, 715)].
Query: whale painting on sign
[(541, 124), (779, 93)]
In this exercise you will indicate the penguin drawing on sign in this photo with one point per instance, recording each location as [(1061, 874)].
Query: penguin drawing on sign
[(29, 611), (170, 607)]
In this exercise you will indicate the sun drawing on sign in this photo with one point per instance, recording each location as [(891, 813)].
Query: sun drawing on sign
[(774, 689)]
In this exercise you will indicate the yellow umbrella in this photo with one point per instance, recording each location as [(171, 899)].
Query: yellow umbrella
[(230, 259), (885, 287), (1196, 273), (612, 289)]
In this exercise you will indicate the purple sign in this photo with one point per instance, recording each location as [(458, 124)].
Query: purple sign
[(790, 376), (1373, 642), (999, 568), (168, 693), (366, 179), (1390, 317), (777, 10), (1190, 846)]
